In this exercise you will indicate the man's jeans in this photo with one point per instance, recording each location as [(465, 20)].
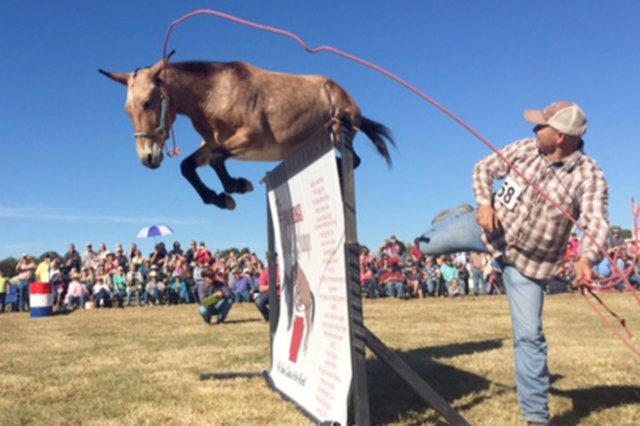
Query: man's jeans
[(395, 289), (23, 295), (221, 309), (479, 282), (526, 296)]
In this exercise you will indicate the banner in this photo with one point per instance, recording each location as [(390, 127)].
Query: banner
[(311, 362)]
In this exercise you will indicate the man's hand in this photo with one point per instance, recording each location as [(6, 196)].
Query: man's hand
[(584, 271), (487, 218)]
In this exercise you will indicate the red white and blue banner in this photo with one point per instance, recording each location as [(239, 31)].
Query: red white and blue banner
[(311, 353), (40, 300)]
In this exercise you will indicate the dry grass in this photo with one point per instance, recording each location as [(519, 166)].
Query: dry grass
[(143, 365)]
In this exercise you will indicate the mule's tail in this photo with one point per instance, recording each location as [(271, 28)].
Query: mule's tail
[(379, 135)]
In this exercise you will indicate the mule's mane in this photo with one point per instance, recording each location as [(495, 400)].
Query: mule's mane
[(203, 69)]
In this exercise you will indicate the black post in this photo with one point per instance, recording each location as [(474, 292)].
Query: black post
[(359, 387), (274, 303)]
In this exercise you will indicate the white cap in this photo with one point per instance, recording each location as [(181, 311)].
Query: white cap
[(565, 117)]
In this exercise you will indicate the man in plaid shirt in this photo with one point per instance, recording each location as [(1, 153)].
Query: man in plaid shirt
[(528, 234)]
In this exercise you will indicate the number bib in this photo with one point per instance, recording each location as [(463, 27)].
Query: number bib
[(509, 194)]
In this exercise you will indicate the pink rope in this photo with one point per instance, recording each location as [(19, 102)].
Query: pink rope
[(616, 271)]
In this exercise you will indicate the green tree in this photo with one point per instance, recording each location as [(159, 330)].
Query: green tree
[(8, 266)]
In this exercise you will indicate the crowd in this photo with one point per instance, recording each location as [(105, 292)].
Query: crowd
[(119, 278), (397, 272)]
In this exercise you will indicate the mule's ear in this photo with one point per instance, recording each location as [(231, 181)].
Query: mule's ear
[(120, 77), (154, 71)]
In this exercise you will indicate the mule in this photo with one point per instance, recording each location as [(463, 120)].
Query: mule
[(241, 112)]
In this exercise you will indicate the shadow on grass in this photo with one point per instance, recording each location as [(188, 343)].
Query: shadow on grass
[(391, 398), (586, 401)]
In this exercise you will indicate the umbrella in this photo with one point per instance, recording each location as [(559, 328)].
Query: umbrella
[(155, 231)]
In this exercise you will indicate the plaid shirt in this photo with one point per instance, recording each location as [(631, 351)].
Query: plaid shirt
[(534, 234)]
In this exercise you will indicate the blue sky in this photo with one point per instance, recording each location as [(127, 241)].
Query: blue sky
[(69, 169)]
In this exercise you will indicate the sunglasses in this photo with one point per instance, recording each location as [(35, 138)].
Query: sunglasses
[(539, 127)]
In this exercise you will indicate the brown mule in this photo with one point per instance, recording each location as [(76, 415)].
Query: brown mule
[(241, 112)]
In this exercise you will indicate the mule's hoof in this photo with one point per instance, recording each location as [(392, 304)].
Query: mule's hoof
[(223, 201), (242, 186), (227, 202)]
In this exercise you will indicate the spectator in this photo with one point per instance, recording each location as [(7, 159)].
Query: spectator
[(176, 250), (616, 238), (416, 282), (58, 285), (393, 280), (450, 277), (203, 255), (159, 255), (477, 262), (262, 301), (173, 289), (72, 260), (102, 252), (25, 269), (152, 292), (121, 259), (4, 289), (241, 286), (101, 293), (368, 282), (119, 282), (416, 254), (77, 293), (43, 270), (216, 299), (134, 282), (432, 277), (88, 256), (133, 250), (191, 251)]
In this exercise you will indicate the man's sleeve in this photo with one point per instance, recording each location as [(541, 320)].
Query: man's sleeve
[(494, 167), (594, 216)]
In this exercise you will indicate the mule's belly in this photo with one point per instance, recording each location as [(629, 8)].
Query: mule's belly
[(270, 153)]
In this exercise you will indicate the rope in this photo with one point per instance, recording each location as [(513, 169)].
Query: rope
[(589, 286)]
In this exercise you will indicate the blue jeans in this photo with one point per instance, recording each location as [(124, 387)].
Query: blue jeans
[(221, 309), (372, 289), (479, 282), (242, 296), (395, 289), (23, 295), (131, 293), (526, 299)]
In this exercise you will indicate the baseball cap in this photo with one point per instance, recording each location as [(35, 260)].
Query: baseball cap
[(565, 117)]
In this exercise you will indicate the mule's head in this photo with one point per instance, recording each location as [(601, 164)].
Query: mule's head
[(150, 111)]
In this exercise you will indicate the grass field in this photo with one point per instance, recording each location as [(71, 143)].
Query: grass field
[(143, 365)]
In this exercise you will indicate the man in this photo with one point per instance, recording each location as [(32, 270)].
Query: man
[(528, 235), (43, 270), (215, 298), (88, 256), (241, 285), (72, 260)]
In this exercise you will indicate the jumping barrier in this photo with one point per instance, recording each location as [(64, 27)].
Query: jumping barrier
[(41, 300), (318, 336)]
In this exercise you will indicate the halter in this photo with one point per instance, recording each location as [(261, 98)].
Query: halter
[(162, 126)]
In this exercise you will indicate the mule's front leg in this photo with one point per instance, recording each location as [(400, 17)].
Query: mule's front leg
[(209, 196), (231, 185), (234, 146)]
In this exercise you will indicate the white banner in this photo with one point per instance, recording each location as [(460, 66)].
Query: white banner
[(311, 347)]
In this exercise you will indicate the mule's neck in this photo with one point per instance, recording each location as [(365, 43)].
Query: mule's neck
[(187, 91)]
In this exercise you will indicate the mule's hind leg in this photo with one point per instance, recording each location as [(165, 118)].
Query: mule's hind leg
[(342, 134), (209, 196), (231, 185)]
